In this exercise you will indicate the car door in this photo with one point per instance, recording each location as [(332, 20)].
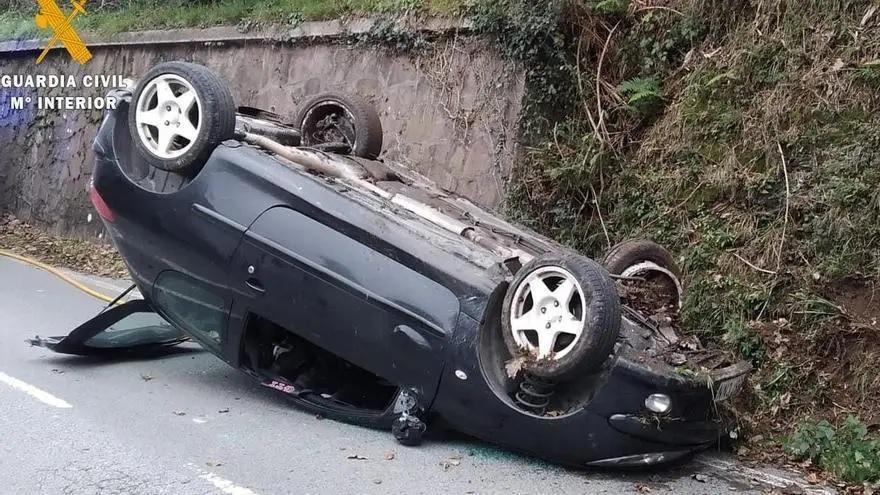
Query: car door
[(197, 306), (132, 326), (346, 297)]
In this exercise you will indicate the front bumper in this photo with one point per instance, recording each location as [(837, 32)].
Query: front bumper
[(642, 460), (690, 426), (670, 432)]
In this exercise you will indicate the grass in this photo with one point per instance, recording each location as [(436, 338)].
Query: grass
[(17, 23)]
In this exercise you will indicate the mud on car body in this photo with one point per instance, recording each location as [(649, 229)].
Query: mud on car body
[(363, 292)]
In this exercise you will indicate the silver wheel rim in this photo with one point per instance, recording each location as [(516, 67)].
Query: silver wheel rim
[(548, 313), (168, 116), (344, 109), (644, 267)]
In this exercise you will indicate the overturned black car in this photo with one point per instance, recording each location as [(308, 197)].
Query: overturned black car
[(364, 293)]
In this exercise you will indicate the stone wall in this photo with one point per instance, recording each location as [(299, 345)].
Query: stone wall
[(450, 113)]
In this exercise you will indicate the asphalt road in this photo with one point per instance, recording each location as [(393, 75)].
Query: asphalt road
[(186, 423)]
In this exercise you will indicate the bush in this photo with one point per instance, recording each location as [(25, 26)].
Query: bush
[(848, 451)]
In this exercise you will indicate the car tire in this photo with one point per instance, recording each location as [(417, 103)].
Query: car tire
[(629, 253), (361, 129), (188, 102), (595, 312)]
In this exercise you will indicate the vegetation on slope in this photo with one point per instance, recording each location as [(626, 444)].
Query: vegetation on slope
[(743, 135)]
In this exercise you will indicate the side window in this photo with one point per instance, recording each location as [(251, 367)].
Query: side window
[(192, 305)]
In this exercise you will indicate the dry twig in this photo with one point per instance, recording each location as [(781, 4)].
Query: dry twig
[(599, 211), (583, 93), (601, 123), (787, 207), (758, 268)]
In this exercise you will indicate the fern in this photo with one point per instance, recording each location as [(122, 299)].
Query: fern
[(642, 94)]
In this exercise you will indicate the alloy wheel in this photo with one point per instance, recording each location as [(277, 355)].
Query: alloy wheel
[(168, 116), (547, 318)]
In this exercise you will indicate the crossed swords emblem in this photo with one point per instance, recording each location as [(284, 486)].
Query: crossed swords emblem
[(51, 17)]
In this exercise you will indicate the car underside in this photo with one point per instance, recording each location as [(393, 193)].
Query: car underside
[(365, 293)]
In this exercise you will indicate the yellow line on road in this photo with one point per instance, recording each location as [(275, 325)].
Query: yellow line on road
[(57, 273)]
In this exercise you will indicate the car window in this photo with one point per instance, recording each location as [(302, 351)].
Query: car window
[(134, 330), (128, 326), (193, 305)]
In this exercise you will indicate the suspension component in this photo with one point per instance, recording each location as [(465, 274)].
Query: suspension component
[(408, 428), (534, 393)]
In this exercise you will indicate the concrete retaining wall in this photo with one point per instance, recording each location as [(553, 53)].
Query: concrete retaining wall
[(450, 113)]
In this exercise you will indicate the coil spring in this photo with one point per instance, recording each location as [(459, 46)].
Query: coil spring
[(534, 393)]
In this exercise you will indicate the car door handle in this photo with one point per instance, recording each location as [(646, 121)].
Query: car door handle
[(255, 285)]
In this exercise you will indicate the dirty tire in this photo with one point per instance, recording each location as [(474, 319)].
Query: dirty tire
[(366, 141), (216, 122), (629, 253), (601, 326)]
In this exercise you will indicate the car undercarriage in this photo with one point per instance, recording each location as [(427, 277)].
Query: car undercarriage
[(282, 358)]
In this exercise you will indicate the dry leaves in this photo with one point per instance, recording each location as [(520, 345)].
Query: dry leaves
[(514, 366), (76, 254)]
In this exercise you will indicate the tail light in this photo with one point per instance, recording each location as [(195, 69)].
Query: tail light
[(99, 204)]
